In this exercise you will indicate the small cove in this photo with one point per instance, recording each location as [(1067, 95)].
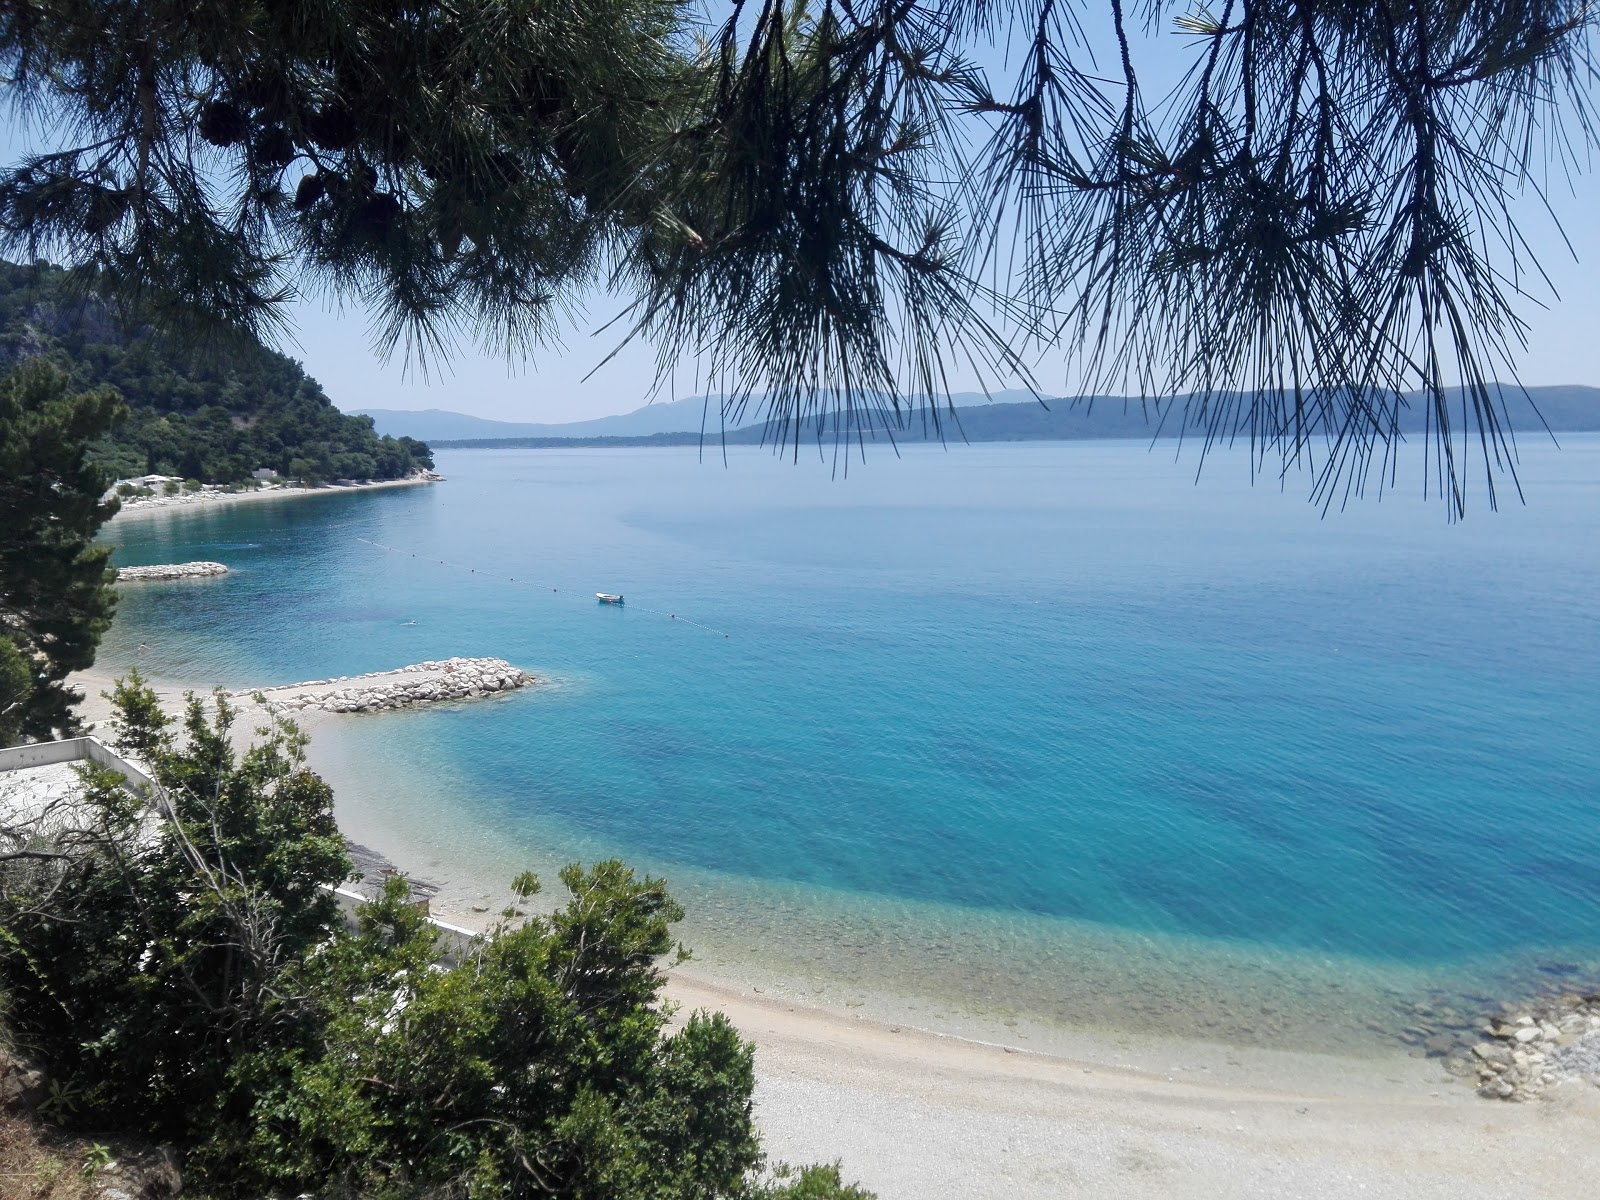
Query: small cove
[(1044, 734)]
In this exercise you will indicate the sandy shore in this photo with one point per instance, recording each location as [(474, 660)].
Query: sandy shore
[(917, 1115), (209, 501), (920, 1115)]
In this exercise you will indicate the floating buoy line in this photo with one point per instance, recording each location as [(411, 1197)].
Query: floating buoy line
[(530, 583)]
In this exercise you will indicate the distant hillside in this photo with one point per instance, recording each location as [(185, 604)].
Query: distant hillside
[(213, 416), (580, 443), (1565, 409), (675, 416), (667, 416)]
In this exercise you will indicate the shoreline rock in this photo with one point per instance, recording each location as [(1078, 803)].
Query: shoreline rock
[(188, 570), (1531, 1047), (434, 682)]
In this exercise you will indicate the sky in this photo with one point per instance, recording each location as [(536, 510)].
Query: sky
[(564, 385), (566, 382)]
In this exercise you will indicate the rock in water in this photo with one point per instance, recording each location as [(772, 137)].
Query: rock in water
[(188, 570), (424, 683)]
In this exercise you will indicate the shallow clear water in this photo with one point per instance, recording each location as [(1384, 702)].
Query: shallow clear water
[(1040, 727)]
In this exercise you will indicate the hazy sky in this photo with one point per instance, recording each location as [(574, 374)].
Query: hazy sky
[(1564, 347), (335, 345)]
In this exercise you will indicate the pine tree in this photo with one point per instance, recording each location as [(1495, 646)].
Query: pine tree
[(829, 202), (56, 598)]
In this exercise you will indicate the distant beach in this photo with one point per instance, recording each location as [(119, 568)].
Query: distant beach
[(211, 499)]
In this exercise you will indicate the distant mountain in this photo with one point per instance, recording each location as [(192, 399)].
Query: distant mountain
[(1564, 409), (667, 416)]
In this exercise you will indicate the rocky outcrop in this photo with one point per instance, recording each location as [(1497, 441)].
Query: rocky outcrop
[(23, 1086), (425, 683), (188, 570)]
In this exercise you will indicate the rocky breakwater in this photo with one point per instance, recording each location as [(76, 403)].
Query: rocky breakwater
[(188, 570), (424, 683), (1534, 1046)]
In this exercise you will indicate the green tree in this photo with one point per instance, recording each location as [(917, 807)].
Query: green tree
[(56, 598), (16, 688), (830, 201), (539, 1064), (158, 960), (309, 472)]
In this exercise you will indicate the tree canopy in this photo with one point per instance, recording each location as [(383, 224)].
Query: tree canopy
[(214, 412), (56, 598), (831, 202)]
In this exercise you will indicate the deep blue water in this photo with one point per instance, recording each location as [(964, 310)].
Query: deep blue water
[(1032, 683)]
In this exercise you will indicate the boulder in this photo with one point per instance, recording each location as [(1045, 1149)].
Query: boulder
[(1493, 1053), (23, 1086), (146, 1173)]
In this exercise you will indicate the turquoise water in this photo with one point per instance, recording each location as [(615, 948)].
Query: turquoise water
[(1035, 714)]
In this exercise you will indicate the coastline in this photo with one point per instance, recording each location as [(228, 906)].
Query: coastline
[(205, 501), (953, 1112), (917, 1115), (968, 1111)]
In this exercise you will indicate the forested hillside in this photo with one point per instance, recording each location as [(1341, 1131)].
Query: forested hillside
[(213, 414)]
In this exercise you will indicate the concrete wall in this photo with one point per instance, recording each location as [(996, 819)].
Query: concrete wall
[(80, 749)]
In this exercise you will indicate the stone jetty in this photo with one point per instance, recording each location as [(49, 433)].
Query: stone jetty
[(188, 570), (423, 683)]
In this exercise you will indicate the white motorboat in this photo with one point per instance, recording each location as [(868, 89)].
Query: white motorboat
[(607, 598)]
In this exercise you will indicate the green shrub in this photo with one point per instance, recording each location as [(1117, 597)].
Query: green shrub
[(195, 984)]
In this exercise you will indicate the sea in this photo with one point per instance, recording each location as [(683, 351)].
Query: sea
[(1084, 735)]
